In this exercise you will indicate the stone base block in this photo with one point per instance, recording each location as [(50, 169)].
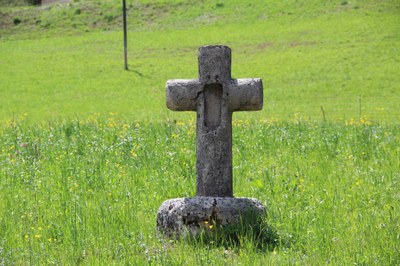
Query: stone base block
[(183, 216)]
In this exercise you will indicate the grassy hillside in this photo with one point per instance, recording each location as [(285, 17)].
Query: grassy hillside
[(341, 57)]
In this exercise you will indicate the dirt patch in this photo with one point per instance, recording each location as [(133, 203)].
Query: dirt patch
[(306, 43), (264, 45), (46, 2)]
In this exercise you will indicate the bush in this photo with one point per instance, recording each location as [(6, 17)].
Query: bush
[(16, 21), (109, 18), (19, 2), (34, 2)]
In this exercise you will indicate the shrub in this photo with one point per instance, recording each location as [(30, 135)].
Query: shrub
[(16, 20), (109, 18)]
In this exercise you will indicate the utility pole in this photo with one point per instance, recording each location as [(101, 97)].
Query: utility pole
[(125, 34)]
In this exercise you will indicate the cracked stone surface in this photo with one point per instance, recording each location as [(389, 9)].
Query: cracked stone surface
[(183, 216)]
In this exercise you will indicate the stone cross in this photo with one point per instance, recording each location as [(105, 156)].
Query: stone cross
[(214, 96)]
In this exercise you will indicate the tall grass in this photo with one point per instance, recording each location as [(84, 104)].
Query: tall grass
[(88, 192)]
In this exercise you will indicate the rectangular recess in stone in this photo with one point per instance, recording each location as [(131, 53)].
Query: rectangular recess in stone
[(212, 105)]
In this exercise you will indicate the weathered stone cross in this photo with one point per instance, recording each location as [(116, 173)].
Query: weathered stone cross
[(214, 96)]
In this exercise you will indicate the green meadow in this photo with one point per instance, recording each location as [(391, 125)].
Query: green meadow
[(89, 151)]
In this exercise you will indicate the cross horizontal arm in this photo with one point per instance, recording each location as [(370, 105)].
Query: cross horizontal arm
[(246, 94), (182, 94)]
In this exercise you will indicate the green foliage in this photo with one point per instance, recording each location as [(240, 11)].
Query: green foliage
[(88, 191), (19, 2), (16, 21), (13, 2), (252, 230)]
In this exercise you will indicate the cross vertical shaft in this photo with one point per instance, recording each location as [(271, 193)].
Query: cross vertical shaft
[(214, 127)]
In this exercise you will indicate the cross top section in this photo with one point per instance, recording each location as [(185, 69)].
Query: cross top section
[(214, 96), (214, 64)]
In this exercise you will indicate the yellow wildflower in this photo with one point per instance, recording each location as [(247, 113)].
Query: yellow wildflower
[(180, 123)]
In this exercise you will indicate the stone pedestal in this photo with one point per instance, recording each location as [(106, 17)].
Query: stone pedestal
[(190, 216)]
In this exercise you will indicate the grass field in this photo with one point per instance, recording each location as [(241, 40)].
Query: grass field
[(88, 192), (341, 57), (88, 151)]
